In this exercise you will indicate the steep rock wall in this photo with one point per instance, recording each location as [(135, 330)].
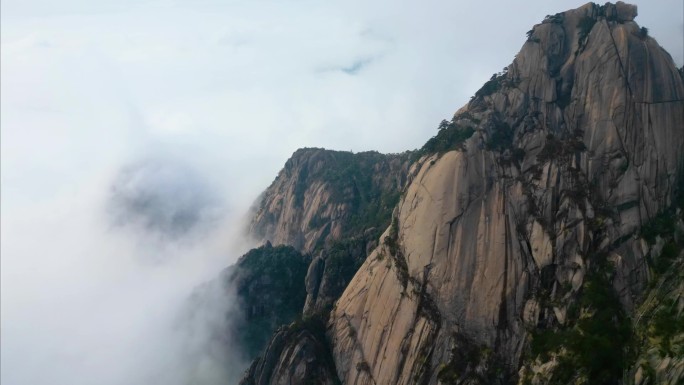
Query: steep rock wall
[(575, 147), (323, 195)]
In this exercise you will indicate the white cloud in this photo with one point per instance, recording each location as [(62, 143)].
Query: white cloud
[(228, 88)]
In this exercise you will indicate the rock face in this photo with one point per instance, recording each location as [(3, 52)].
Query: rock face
[(333, 268), (660, 322), (295, 355), (323, 195), (519, 251), (330, 203), (575, 147)]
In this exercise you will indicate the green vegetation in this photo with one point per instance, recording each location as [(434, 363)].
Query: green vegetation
[(584, 26), (596, 343), (491, 86), (309, 331), (368, 183), (495, 83), (531, 37), (374, 211), (661, 225), (314, 324), (300, 186), (392, 243), (600, 343), (343, 259), (501, 137), (664, 226), (667, 322), (561, 149), (556, 19), (469, 363), (269, 283), (271, 280), (659, 320), (449, 137), (498, 80)]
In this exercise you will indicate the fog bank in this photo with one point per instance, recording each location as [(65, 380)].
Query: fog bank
[(136, 134)]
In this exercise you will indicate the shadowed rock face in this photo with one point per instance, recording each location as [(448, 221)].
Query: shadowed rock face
[(333, 268), (332, 204), (268, 283), (574, 148), (296, 354)]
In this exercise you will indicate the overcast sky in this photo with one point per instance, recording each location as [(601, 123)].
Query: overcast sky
[(195, 106)]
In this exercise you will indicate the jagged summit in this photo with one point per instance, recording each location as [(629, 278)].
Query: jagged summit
[(516, 251), (573, 149), (565, 40)]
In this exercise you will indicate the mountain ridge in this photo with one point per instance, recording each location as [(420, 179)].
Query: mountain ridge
[(320, 195), (519, 227)]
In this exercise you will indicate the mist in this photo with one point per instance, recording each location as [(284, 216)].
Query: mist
[(89, 299), (135, 136)]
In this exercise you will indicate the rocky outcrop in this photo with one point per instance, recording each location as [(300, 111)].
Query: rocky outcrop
[(332, 204), (329, 203), (297, 354), (322, 196), (521, 249), (659, 318), (333, 268), (574, 148)]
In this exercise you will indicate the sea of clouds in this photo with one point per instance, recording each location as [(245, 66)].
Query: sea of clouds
[(135, 135)]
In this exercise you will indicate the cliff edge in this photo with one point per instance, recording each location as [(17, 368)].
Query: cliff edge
[(501, 236), (519, 250)]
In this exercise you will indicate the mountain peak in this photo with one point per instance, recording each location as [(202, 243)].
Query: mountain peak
[(517, 239)]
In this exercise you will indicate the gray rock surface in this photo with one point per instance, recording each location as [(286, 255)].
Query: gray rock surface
[(324, 195), (576, 146), (595, 111)]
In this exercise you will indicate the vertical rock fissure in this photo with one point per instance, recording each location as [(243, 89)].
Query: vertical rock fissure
[(434, 244), (451, 224), (503, 322), (617, 52), (361, 366), (427, 309)]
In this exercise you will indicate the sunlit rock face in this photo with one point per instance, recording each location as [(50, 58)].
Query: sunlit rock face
[(163, 199), (575, 147)]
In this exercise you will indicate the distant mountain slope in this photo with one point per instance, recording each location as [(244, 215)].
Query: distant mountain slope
[(324, 195)]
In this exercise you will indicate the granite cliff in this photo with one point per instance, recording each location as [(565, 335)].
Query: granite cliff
[(535, 241), (323, 195), (331, 205)]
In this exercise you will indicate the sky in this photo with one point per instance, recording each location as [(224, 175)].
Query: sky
[(136, 134)]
